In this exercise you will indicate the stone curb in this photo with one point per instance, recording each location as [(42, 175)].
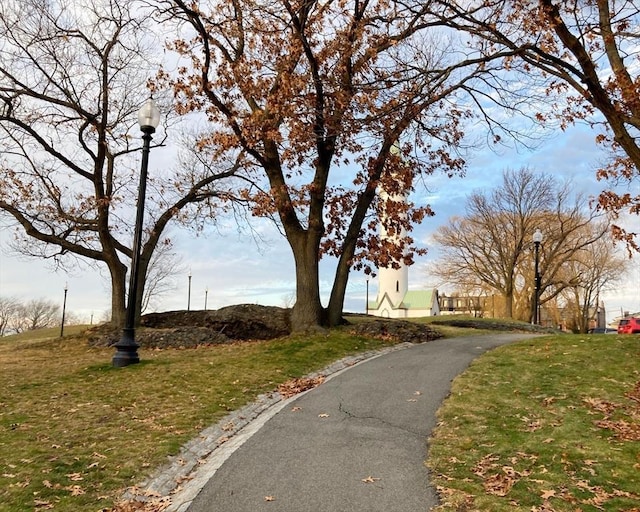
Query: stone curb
[(188, 472)]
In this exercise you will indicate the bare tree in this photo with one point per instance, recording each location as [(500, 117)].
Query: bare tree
[(9, 307), (37, 314), (592, 271), (164, 266), (72, 77), (491, 246)]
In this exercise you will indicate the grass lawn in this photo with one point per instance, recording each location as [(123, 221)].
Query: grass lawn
[(546, 425), (550, 424), (75, 432)]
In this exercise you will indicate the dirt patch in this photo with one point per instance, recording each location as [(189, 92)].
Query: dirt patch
[(241, 322), (398, 330), (195, 328), (188, 329)]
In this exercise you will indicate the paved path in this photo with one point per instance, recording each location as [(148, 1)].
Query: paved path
[(358, 442)]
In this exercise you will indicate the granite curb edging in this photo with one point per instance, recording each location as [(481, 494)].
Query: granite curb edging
[(187, 472)]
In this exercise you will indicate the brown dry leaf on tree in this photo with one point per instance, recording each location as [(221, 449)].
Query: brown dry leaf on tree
[(294, 386)]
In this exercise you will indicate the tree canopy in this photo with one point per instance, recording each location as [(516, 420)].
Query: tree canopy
[(72, 77), (311, 109), (316, 95), (491, 247), (585, 54)]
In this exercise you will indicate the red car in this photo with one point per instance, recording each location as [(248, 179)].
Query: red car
[(629, 325)]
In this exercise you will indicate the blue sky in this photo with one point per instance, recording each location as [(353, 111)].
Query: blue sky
[(235, 269)]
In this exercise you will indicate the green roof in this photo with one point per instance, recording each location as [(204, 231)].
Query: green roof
[(418, 299)]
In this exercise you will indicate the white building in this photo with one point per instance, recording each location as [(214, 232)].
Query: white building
[(394, 299)]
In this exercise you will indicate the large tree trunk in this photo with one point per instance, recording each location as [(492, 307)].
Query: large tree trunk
[(339, 289), (307, 312), (508, 304), (118, 273)]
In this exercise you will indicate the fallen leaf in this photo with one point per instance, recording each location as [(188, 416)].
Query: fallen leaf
[(296, 409), (323, 415), (269, 498), (295, 386), (370, 480), (548, 494), (76, 490)]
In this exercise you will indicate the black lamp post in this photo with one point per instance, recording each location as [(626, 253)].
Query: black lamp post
[(189, 293), (127, 348), (537, 239), (64, 309), (366, 308)]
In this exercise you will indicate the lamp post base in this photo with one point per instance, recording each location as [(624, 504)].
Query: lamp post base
[(126, 349)]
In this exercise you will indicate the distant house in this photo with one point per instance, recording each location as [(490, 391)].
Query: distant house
[(462, 305), (413, 304)]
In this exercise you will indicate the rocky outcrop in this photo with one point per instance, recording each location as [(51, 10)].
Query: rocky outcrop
[(398, 330), (194, 328)]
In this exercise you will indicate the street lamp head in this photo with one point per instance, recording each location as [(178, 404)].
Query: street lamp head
[(537, 237), (149, 116)]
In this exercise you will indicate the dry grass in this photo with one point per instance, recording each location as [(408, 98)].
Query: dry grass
[(547, 425), (75, 432)]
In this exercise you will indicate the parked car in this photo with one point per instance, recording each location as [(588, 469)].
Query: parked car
[(629, 325)]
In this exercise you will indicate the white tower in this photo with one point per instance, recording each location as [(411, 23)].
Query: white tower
[(394, 282)]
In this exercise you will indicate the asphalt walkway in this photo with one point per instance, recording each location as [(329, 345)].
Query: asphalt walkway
[(357, 442)]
